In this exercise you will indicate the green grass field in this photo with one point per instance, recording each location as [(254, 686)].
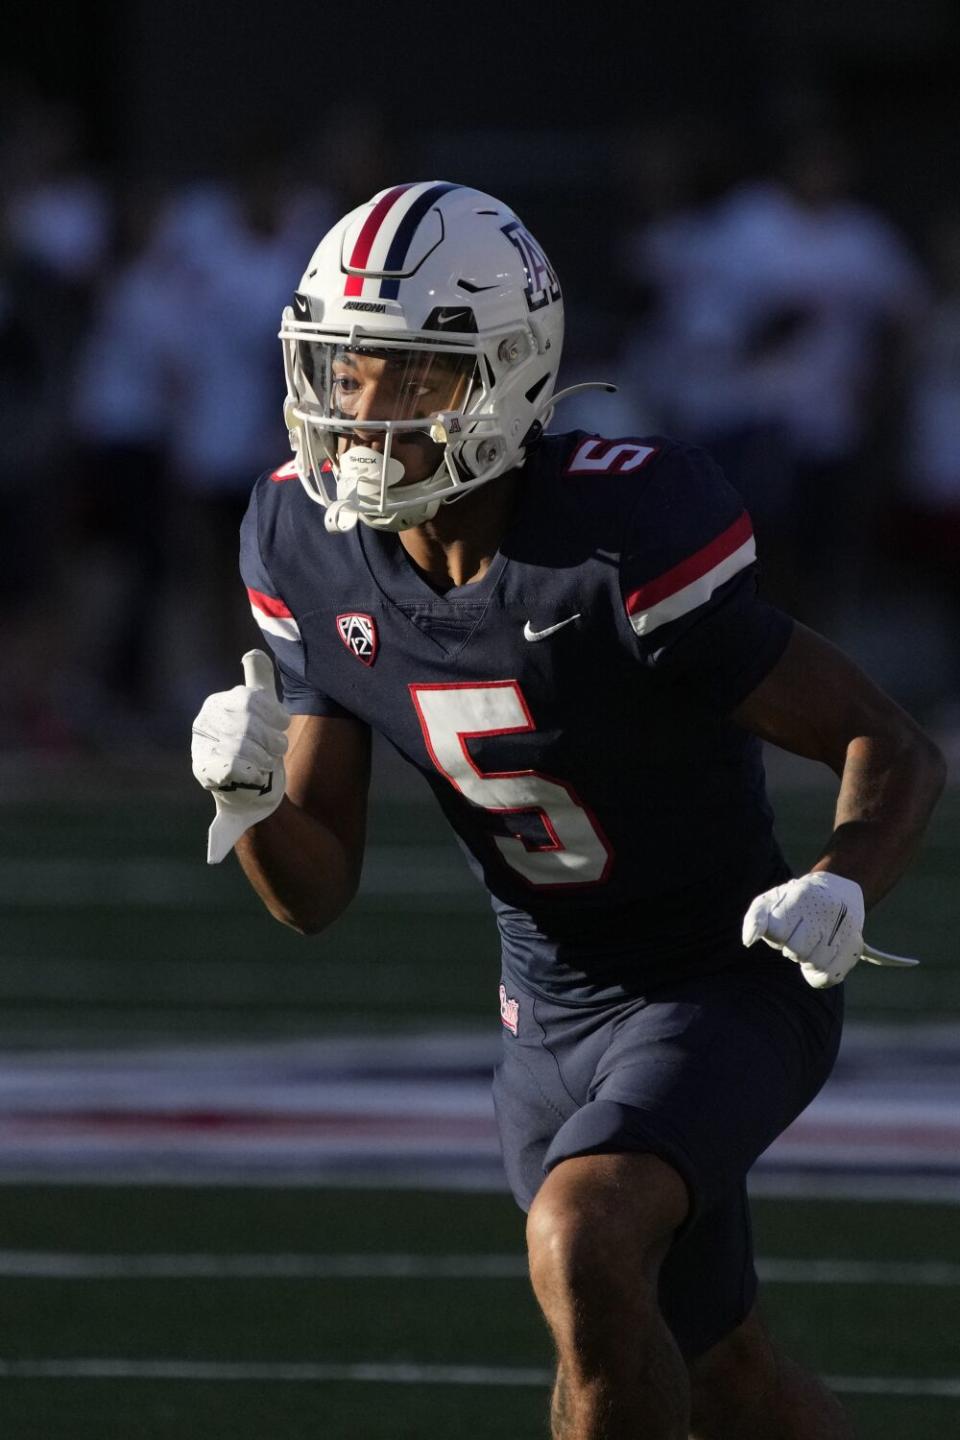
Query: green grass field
[(115, 931), (863, 1330), (113, 924)]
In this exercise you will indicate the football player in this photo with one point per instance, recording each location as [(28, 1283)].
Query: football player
[(563, 634)]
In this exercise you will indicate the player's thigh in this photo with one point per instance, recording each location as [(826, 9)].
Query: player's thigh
[(708, 1073), (550, 1056), (703, 1075)]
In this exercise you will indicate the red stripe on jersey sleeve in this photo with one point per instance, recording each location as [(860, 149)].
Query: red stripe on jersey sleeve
[(269, 604), (692, 568)]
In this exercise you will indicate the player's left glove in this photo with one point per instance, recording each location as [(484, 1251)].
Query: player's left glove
[(816, 920)]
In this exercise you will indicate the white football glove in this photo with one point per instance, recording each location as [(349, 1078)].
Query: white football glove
[(816, 920), (238, 748)]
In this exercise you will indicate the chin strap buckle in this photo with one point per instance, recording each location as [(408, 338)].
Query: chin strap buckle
[(341, 516)]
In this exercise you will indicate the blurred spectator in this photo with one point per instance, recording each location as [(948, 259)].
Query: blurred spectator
[(767, 344), (53, 228), (236, 258), (176, 406), (932, 454), (115, 562), (58, 211), (660, 174), (142, 386)]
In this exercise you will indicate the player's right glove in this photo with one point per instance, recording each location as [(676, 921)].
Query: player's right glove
[(816, 920), (239, 742)]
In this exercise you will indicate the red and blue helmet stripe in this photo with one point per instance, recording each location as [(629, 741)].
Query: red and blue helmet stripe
[(375, 231)]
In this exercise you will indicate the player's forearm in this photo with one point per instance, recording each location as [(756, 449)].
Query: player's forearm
[(301, 870), (890, 782)]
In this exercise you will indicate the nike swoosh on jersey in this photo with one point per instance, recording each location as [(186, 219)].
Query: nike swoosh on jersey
[(530, 634)]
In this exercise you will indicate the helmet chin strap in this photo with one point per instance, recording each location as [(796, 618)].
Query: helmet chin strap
[(341, 516)]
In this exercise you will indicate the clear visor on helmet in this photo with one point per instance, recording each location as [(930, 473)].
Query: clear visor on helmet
[(376, 389)]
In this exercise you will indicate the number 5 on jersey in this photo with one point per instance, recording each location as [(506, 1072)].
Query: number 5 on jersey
[(575, 851)]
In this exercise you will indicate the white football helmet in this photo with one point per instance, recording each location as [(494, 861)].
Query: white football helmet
[(429, 322)]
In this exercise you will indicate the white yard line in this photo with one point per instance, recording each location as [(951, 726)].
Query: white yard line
[(54, 1265), (947, 1388), (64, 1265), (286, 1371), (825, 1184), (312, 1372), (486, 1179), (413, 876), (859, 1272), (918, 1189)]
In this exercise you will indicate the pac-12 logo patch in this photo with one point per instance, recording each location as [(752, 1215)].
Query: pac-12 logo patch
[(359, 634), (542, 284), (509, 1011)]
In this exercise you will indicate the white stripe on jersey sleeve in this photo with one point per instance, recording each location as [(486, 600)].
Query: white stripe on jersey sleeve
[(697, 593), (282, 627)]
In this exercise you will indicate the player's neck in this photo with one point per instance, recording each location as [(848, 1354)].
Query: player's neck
[(458, 544)]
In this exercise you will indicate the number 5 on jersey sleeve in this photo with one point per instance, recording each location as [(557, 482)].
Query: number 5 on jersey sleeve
[(575, 852)]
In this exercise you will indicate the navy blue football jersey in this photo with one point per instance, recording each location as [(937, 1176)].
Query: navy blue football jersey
[(569, 710)]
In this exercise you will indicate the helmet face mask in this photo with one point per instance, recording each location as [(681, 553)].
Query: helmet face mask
[(421, 354)]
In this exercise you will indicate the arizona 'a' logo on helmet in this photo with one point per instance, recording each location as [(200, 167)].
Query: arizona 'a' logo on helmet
[(542, 287), (359, 634)]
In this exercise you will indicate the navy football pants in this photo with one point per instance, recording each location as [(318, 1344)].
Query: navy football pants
[(704, 1073)]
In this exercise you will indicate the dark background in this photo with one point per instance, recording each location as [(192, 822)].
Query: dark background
[(127, 965), (525, 98), (552, 109)]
